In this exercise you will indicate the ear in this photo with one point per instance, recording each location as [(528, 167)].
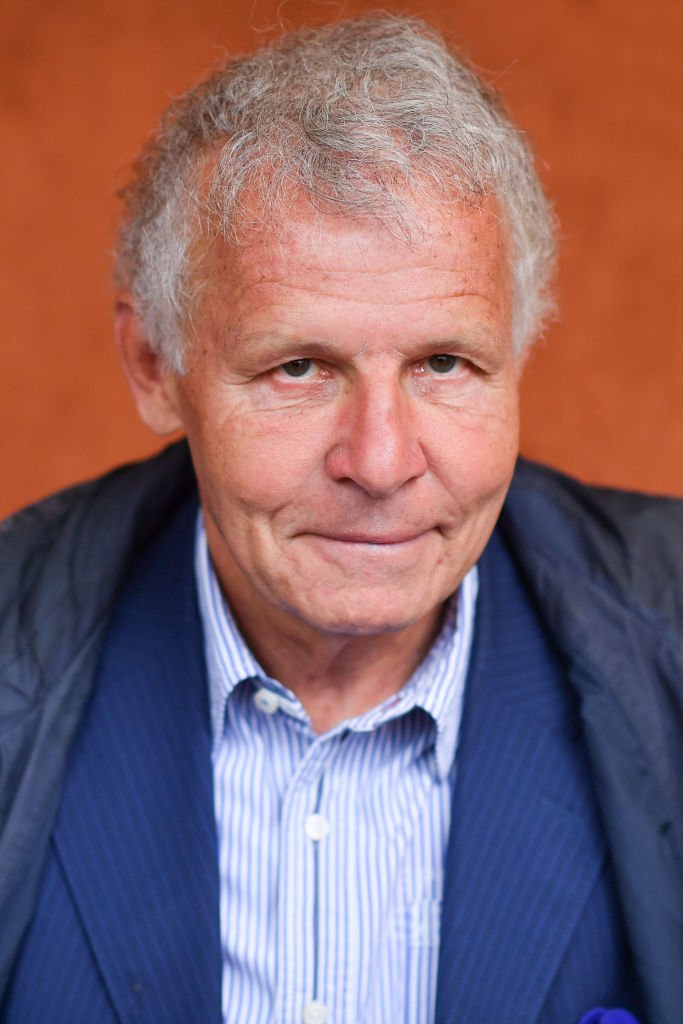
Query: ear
[(151, 382)]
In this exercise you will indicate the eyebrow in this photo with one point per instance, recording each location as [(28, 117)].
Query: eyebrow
[(258, 341), (477, 342), (257, 344)]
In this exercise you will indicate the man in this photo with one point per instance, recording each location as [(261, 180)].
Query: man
[(384, 727)]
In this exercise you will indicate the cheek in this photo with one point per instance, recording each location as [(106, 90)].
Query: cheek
[(476, 451), (259, 462)]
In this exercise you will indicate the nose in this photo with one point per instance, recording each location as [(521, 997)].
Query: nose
[(379, 448)]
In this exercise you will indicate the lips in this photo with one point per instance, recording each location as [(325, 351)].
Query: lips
[(383, 539)]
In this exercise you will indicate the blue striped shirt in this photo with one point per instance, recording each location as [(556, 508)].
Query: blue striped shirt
[(331, 846)]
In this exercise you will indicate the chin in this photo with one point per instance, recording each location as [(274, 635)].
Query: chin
[(365, 616)]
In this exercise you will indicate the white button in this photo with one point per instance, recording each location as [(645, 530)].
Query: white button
[(317, 828), (266, 701), (315, 1012)]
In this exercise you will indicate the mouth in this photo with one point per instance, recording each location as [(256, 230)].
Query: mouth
[(372, 540)]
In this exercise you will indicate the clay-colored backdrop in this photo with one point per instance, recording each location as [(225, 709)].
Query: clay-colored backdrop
[(595, 82)]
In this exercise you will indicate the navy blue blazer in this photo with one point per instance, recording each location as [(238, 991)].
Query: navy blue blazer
[(126, 928)]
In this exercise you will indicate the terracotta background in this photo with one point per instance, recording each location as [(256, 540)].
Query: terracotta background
[(595, 82)]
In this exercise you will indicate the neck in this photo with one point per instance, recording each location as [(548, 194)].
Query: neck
[(336, 677)]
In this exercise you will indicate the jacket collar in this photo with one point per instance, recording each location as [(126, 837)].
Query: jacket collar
[(138, 847), (604, 569), (63, 561), (526, 844)]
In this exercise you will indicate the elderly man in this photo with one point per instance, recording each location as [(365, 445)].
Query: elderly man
[(319, 725)]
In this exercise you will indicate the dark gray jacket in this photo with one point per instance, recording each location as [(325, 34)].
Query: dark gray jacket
[(606, 568)]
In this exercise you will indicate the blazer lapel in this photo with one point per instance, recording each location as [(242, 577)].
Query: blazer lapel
[(526, 844), (136, 834)]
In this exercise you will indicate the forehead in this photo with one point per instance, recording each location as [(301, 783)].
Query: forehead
[(450, 248)]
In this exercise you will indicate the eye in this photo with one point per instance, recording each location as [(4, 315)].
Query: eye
[(297, 367), (443, 363)]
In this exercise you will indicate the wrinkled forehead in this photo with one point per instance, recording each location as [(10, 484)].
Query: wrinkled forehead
[(470, 236), (334, 277)]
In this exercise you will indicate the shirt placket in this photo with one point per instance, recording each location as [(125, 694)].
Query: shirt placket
[(305, 825)]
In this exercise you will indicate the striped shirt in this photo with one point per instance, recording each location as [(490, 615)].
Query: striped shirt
[(331, 846)]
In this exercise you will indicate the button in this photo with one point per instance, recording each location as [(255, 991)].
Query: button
[(317, 828), (315, 1012), (267, 701)]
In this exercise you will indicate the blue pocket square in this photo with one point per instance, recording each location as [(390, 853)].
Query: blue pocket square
[(602, 1016)]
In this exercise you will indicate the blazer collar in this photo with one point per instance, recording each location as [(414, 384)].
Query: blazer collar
[(138, 846), (526, 844)]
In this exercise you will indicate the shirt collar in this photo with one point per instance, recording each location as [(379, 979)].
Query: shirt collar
[(436, 687), (229, 661)]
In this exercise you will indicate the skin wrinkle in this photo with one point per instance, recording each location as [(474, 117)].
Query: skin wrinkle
[(220, 249)]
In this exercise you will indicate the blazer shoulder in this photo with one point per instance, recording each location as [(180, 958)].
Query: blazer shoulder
[(624, 541), (83, 537)]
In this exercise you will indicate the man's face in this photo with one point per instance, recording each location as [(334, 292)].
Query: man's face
[(351, 406)]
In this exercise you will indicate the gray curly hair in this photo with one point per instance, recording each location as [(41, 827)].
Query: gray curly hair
[(366, 117)]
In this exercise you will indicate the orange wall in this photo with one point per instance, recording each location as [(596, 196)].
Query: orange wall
[(597, 86)]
